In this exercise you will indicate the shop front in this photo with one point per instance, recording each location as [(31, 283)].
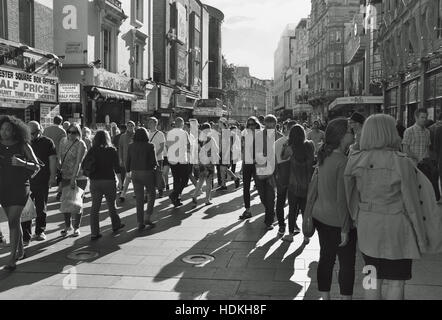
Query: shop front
[(28, 82), (433, 92), (345, 106), (411, 89), (391, 101)]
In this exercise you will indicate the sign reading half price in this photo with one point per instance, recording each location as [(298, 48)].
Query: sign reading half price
[(69, 93)]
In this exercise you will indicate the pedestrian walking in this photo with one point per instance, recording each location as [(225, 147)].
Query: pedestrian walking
[(125, 140), (330, 213), (45, 151), (102, 164), (356, 121), (317, 136), (301, 153), (17, 164), (225, 145), (142, 163), (116, 143), (178, 145), (71, 154), (208, 155), (282, 176), (248, 162), (87, 137), (388, 204), (417, 140), (158, 139), (265, 179)]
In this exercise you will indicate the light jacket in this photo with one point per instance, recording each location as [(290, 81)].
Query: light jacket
[(393, 205)]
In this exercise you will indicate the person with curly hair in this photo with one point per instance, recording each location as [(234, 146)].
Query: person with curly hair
[(17, 163)]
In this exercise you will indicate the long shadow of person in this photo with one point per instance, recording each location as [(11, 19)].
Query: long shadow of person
[(311, 292)]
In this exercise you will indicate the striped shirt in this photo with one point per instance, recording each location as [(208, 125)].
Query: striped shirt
[(418, 140)]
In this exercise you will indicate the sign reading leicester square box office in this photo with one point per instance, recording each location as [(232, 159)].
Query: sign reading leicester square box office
[(19, 85)]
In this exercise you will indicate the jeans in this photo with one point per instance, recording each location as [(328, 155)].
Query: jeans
[(67, 215), (39, 193), (141, 180), (281, 197), (225, 174), (107, 188), (296, 205), (329, 240), (208, 178), (267, 194), (249, 171), (180, 173)]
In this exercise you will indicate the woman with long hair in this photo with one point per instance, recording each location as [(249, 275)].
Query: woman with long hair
[(17, 163), (103, 163), (302, 156), (71, 154), (388, 204), (142, 162), (331, 216)]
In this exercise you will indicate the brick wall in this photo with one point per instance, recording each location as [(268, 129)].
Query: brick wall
[(44, 27)]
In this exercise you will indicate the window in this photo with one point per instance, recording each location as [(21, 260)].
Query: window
[(299, 84), (138, 61), (139, 10), (26, 22), (331, 85), (338, 58), (338, 36), (299, 71), (107, 49), (3, 20), (338, 85)]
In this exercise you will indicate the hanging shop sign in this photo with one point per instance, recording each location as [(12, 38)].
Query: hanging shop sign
[(109, 80), (26, 86), (69, 93), (166, 97), (47, 114)]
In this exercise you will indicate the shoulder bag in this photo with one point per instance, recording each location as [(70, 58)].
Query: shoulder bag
[(308, 229), (59, 176)]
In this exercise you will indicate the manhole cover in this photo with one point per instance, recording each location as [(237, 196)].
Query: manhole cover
[(198, 259), (83, 255)]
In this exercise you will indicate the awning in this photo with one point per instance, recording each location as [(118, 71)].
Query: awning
[(303, 108), (15, 105), (111, 94), (358, 100)]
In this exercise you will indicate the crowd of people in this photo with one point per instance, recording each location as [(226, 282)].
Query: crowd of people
[(370, 192)]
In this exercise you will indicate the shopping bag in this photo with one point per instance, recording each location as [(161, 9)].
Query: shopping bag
[(29, 212), (71, 200), (159, 180)]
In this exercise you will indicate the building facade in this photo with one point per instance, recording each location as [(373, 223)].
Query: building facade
[(362, 64), (106, 47), (252, 95), (29, 69), (326, 51), (410, 39)]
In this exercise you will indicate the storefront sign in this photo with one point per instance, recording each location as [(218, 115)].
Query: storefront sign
[(166, 97), (26, 86), (69, 93), (109, 80), (208, 112), (47, 114), (74, 48), (139, 106)]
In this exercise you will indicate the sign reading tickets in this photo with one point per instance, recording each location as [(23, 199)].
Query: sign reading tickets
[(69, 93), (20, 85)]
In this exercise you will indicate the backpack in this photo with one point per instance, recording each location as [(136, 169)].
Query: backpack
[(89, 164)]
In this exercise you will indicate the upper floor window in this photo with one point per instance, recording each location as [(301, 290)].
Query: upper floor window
[(137, 12), (108, 50), (3, 20), (299, 70), (138, 61), (26, 22)]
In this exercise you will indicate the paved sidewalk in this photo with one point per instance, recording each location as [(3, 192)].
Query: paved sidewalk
[(249, 264)]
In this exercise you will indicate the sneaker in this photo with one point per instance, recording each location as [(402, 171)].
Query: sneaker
[(26, 243), (40, 237), (64, 232), (119, 228), (269, 227), (288, 238), (209, 203), (297, 230), (95, 238), (281, 231), (237, 183), (76, 233), (246, 215), (221, 189), (141, 227)]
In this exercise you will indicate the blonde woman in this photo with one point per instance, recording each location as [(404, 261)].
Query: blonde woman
[(382, 191)]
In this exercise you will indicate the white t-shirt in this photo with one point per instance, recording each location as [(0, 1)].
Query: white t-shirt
[(157, 138), (278, 149), (177, 146)]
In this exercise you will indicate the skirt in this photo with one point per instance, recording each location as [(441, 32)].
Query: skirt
[(399, 270)]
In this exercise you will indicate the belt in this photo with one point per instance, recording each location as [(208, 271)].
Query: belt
[(393, 208)]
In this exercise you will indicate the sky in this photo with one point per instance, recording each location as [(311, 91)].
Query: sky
[(252, 29)]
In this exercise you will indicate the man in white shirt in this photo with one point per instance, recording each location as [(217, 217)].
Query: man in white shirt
[(317, 136), (158, 139), (178, 146)]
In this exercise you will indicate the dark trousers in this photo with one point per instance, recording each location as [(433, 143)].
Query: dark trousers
[(248, 172), (39, 193), (296, 205), (144, 180), (281, 197), (233, 167), (267, 194), (123, 174), (218, 174), (180, 174), (329, 240), (108, 189), (160, 185)]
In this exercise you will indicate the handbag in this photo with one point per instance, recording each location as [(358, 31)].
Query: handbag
[(59, 175), (71, 200), (308, 228), (29, 211), (159, 180)]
